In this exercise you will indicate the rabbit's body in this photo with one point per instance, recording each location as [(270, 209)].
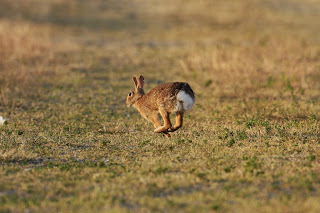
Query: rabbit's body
[(173, 97)]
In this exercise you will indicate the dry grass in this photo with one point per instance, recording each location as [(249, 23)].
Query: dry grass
[(28, 53), (262, 69), (24, 55), (250, 144)]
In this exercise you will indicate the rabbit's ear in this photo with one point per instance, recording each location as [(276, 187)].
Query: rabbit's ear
[(134, 78), (141, 79)]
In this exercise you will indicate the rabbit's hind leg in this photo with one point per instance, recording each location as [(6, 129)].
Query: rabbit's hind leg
[(179, 121)]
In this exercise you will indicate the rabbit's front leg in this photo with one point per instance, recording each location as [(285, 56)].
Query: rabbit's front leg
[(166, 120), (157, 123)]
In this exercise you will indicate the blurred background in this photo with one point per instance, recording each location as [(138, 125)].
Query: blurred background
[(233, 46)]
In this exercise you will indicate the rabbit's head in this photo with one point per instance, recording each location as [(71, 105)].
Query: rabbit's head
[(138, 91)]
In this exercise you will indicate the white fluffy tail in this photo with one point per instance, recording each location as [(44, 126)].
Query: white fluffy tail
[(185, 101)]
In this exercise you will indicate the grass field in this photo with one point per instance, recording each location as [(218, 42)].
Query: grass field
[(250, 144)]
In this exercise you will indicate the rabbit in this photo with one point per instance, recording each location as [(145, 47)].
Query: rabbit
[(173, 97)]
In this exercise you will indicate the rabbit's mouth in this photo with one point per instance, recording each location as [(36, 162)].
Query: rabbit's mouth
[(128, 104)]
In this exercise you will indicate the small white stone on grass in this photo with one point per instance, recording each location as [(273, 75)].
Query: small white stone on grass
[(2, 120)]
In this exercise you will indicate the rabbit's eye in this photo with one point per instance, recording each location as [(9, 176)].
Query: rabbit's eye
[(130, 93)]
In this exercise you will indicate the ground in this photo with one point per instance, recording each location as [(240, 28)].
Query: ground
[(250, 143)]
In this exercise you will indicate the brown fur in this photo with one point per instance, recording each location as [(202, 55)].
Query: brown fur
[(159, 102)]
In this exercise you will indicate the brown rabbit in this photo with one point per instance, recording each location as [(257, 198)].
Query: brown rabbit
[(162, 100)]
